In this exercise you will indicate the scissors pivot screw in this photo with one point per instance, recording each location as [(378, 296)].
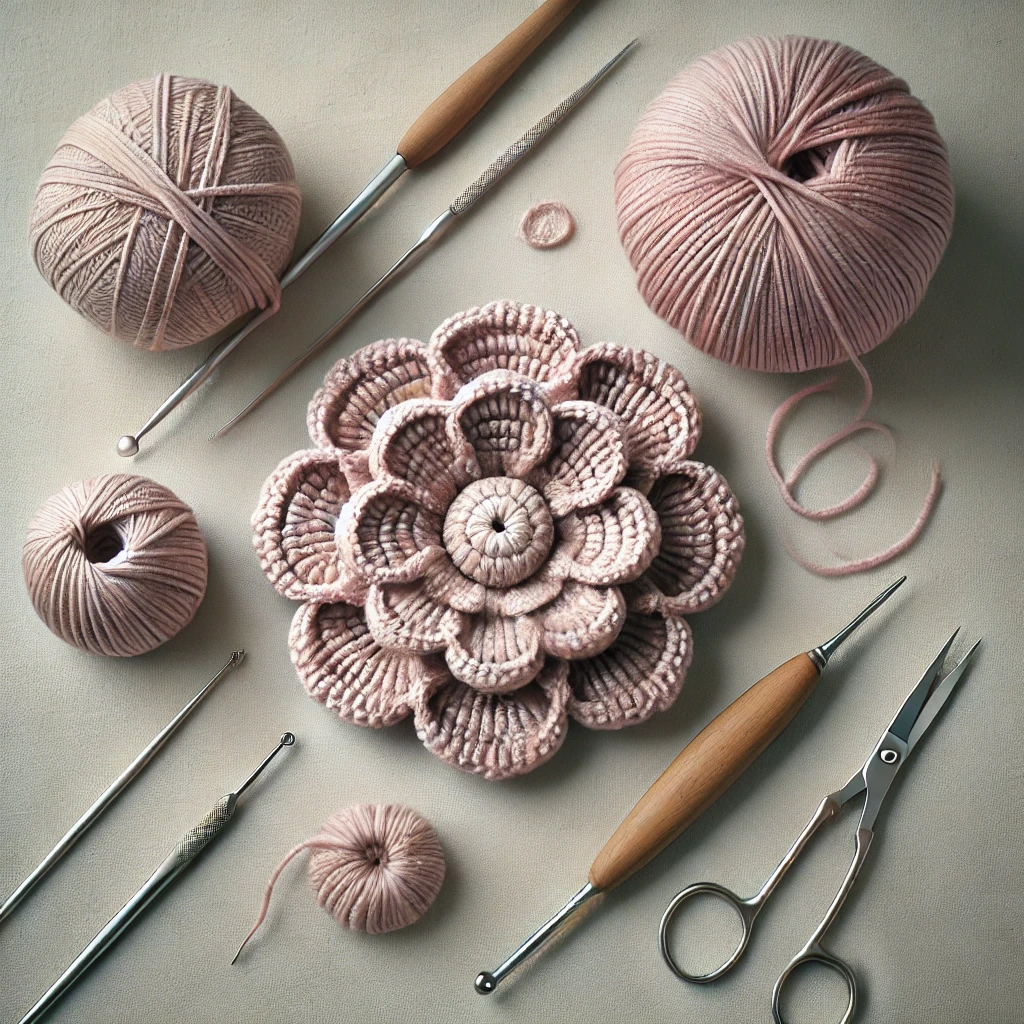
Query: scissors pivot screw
[(889, 756)]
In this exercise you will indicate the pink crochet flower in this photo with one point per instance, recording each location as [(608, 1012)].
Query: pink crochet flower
[(496, 532)]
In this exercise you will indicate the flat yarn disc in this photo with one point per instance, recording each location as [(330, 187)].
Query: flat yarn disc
[(167, 211), (546, 225), (115, 565), (373, 867), (784, 203)]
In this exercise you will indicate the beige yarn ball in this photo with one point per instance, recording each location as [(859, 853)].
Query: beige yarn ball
[(115, 565), (167, 211)]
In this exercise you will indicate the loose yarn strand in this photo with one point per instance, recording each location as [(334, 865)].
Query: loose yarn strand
[(314, 843)]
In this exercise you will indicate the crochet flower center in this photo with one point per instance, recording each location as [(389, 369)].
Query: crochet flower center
[(498, 531)]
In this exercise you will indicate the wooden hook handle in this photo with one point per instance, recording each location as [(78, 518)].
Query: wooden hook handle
[(461, 101), (707, 766)]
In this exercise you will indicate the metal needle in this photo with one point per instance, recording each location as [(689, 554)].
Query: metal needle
[(114, 790), (189, 847), (437, 227)]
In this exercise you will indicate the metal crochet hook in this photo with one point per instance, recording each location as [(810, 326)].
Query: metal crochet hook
[(429, 134), (437, 227), (114, 790), (699, 775), (191, 845), (872, 782)]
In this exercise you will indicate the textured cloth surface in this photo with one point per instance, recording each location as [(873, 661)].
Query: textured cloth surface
[(933, 928)]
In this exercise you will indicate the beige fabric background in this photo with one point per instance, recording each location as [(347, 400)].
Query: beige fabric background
[(934, 928)]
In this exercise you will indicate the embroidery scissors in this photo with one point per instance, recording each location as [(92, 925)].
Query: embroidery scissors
[(872, 781)]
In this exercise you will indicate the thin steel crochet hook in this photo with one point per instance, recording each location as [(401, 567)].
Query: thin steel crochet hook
[(191, 845), (700, 774), (437, 227), (114, 790), (429, 134)]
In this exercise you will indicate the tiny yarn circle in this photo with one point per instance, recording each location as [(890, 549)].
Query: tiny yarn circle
[(784, 203), (115, 565), (166, 212), (380, 867), (373, 867), (546, 225)]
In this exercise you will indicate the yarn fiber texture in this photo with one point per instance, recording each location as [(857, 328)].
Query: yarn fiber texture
[(496, 532), (115, 565), (167, 212), (373, 867), (784, 203)]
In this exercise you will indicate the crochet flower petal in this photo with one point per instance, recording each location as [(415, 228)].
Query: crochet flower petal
[(448, 586), (588, 457), (494, 735), (612, 543), (358, 390), (388, 534), (294, 529), (543, 586), (701, 537), (507, 421), (341, 665), (412, 442), (405, 617), (639, 674), (495, 653), (583, 620), (660, 415), (533, 342)]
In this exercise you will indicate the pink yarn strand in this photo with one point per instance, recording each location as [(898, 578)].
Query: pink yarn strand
[(317, 842), (863, 564)]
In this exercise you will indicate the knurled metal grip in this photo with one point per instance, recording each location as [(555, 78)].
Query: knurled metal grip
[(200, 834)]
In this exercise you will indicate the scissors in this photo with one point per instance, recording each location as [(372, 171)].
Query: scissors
[(873, 780)]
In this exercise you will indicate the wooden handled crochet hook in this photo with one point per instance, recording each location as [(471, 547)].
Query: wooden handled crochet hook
[(436, 229), (703, 771), (430, 133)]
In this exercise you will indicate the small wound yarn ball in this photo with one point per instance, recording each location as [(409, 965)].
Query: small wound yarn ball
[(115, 565), (373, 867), (380, 867), (784, 203), (167, 212)]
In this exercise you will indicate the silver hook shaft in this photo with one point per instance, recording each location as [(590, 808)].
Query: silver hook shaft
[(487, 981), (822, 653), (286, 741), (114, 790)]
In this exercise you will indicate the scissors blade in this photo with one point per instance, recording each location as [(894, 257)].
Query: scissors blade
[(939, 696), (908, 714)]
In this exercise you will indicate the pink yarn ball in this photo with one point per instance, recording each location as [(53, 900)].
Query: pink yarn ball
[(167, 212), (376, 867), (784, 203), (373, 867), (115, 565)]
